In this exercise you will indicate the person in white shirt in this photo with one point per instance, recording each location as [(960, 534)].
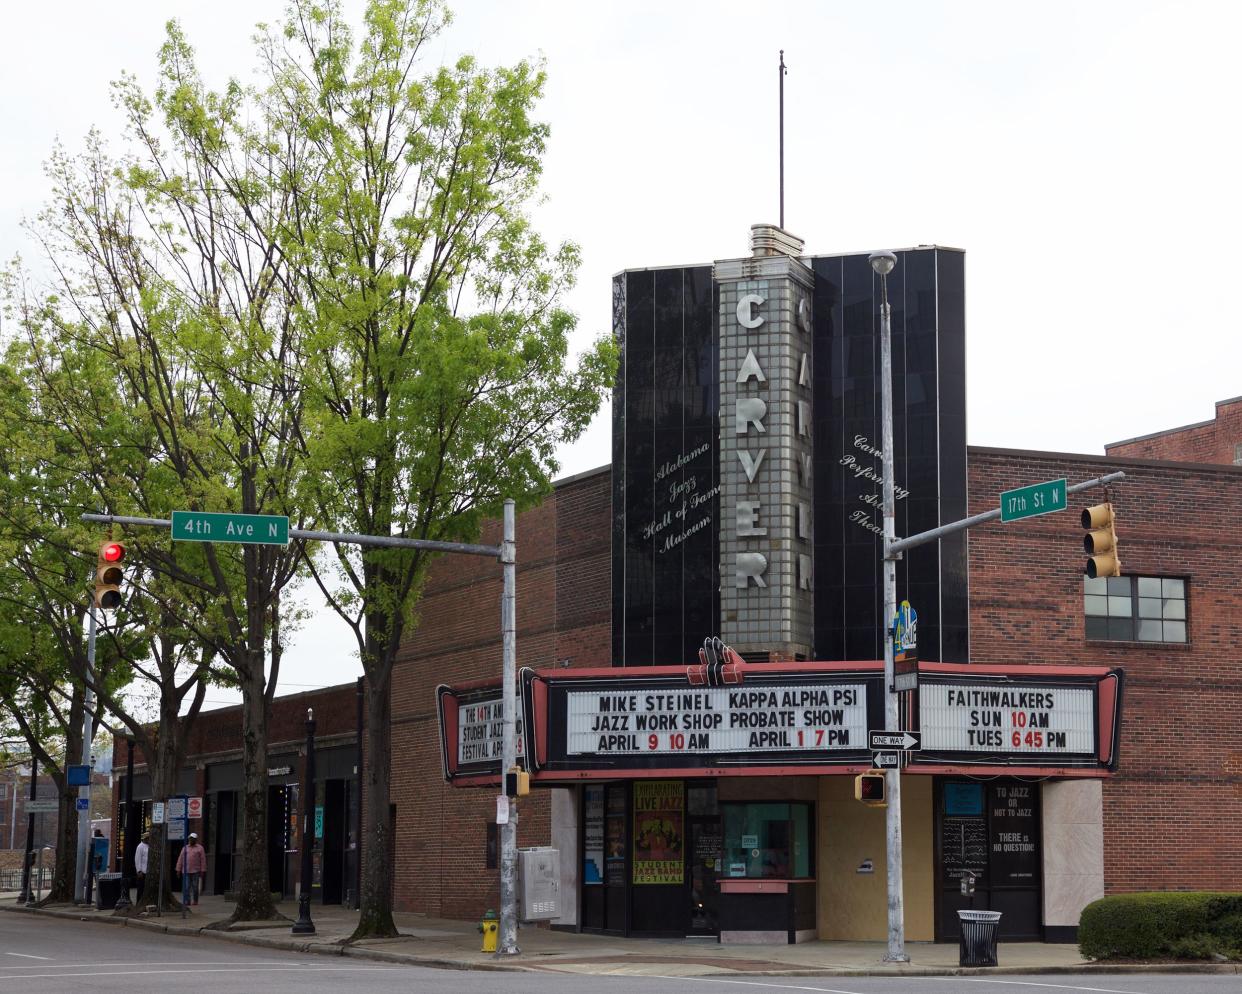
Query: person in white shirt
[(140, 863)]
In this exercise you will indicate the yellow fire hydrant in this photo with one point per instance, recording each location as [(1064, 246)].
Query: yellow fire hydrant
[(489, 926)]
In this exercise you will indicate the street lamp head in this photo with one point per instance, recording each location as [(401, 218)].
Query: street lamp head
[(882, 262), (310, 714)]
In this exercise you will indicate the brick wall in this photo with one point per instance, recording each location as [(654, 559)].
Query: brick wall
[(563, 617), (1170, 811), (1214, 441), (219, 731)]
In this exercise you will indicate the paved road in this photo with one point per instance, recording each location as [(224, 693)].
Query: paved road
[(41, 954)]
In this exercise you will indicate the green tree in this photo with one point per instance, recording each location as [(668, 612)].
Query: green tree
[(171, 290), (439, 376), (49, 460)]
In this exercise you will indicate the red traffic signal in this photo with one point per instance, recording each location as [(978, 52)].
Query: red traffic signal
[(108, 576), (869, 788)]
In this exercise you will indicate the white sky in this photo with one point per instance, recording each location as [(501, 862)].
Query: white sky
[(1085, 155)]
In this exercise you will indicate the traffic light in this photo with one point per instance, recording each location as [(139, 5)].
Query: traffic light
[(869, 788), (108, 576), (1100, 542)]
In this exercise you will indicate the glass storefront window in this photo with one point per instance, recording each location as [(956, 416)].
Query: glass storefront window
[(767, 840)]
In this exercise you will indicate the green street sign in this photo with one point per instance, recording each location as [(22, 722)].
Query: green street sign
[(1028, 502), (243, 529)]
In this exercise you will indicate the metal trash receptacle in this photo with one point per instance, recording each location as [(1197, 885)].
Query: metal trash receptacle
[(978, 940), (107, 891)]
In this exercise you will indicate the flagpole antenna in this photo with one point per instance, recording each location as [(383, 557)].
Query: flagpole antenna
[(783, 72)]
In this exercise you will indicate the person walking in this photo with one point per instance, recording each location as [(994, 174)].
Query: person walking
[(193, 861), (141, 855)]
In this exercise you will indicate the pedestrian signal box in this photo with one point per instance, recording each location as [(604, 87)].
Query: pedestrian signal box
[(869, 788)]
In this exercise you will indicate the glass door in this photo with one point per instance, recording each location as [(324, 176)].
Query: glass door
[(703, 855)]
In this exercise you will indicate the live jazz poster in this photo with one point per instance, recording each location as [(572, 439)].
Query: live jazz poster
[(659, 823)]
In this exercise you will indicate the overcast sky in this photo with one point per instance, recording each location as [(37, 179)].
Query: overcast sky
[(1085, 155)]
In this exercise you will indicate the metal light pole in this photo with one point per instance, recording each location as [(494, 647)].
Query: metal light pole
[(304, 925), (27, 894), (506, 944), (883, 264), (84, 815), (127, 851)]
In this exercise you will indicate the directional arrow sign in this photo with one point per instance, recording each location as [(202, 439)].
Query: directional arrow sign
[(905, 741), (886, 760)]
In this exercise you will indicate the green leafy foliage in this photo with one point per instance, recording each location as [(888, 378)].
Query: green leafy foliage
[(1162, 925)]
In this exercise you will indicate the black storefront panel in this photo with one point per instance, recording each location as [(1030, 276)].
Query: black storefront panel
[(989, 832)]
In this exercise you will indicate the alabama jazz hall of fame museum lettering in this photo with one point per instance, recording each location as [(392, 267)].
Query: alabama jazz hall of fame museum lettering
[(746, 484)]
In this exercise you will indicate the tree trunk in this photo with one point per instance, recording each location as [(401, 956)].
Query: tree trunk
[(254, 893), (375, 920), (61, 891), (163, 766), (64, 878)]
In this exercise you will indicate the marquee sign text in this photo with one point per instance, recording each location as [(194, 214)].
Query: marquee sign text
[(1007, 719), (480, 731), (642, 720)]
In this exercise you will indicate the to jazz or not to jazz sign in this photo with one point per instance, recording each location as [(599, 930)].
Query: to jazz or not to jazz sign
[(745, 718)]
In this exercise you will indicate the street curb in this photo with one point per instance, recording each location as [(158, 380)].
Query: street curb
[(551, 966)]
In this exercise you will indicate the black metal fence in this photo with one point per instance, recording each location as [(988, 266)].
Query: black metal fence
[(11, 880)]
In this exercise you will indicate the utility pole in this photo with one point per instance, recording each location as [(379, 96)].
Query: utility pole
[(131, 830), (507, 939), (506, 552), (305, 925), (84, 814), (27, 894), (883, 263)]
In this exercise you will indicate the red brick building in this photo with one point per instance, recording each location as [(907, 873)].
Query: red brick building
[(212, 771), (1164, 820)]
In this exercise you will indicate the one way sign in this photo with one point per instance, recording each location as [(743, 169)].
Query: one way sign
[(905, 741), (886, 760)]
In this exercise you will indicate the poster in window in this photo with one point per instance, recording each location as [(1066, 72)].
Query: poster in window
[(593, 835), (1015, 829), (614, 837), (658, 832)]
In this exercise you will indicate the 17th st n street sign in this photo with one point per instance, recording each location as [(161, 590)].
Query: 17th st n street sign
[(244, 529), (1038, 498)]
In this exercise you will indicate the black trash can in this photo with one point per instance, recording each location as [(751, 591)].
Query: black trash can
[(107, 890), (978, 942)]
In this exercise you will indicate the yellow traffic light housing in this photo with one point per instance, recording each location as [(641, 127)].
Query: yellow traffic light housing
[(869, 788), (1100, 542), (108, 576)]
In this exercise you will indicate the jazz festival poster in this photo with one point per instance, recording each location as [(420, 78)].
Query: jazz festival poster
[(659, 823)]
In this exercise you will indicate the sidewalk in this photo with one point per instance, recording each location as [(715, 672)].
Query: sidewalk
[(456, 945)]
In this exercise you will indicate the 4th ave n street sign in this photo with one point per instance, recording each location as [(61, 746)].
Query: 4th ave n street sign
[(243, 529), (1038, 498)]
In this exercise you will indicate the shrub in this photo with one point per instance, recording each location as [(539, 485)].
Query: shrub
[(1179, 925)]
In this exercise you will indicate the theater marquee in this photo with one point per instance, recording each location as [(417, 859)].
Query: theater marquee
[(796, 718)]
